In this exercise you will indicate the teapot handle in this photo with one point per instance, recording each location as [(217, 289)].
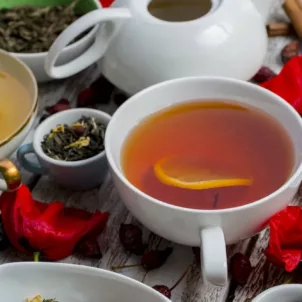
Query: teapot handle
[(92, 54)]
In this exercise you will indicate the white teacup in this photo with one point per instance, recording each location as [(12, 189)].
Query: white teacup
[(211, 229)]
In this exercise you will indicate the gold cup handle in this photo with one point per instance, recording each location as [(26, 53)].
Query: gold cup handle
[(11, 175)]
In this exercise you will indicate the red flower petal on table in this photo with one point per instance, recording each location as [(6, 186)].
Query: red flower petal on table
[(51, 228), (285, 243), (288, 83)]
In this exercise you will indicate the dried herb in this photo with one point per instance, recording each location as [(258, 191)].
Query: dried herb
[(81, 140), (29, 29)]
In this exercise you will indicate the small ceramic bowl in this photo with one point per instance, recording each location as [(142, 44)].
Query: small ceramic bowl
[(35, 61), (71, 283), (78, 175), (282, 293)]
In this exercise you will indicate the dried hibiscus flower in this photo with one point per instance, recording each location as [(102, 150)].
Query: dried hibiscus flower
[(50, 230), (287, 84), (285, 243)]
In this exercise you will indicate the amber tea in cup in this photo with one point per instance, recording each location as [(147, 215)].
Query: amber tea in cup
[(219, 136), (15, 103)]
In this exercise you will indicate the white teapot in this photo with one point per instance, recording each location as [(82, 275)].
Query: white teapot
[(147, 42)]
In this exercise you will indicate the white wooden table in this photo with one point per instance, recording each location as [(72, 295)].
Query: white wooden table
[(191, 289)]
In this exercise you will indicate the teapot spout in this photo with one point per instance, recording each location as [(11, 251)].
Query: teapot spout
[(263, 7)]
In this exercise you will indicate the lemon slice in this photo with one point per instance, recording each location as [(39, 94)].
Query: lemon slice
[(187, 175)]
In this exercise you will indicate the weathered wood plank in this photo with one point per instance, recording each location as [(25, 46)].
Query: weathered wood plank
[(191, 289)]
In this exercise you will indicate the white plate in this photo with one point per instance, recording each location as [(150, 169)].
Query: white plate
[(70, 283)]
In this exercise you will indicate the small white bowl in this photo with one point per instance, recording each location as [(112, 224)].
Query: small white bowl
[(70, 283), (35, 61), (78, 175), (281, 293)]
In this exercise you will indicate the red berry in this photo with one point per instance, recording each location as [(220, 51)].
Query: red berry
[(61, 105), (290, 51), (155, 259), (164, 290), (89, 248), (131, 238), (86, 98), (264, 74), (240, 268), (78, 130)]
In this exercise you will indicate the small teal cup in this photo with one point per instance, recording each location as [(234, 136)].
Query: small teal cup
[(77, 175)]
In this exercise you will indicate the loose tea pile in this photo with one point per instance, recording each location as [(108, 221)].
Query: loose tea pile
[(81, 140), (39, 299), (29, 29)]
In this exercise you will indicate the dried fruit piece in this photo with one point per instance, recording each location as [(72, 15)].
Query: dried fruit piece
[(289, 51), (61, 105), (86, 98), (89, 248), (264, 74), (240, 268), (102, 89), (150, 260), (155, 259), (131, 238), (164, 290)]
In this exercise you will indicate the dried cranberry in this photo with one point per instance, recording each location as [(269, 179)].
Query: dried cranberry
[(196, 252), (290, 50), (102, 89), (131, 238), (240, 268), (78, 130), (119, 98), (61, 105), (164, 290), (263, 75), (89, 248), (155, 259), (86, 98)]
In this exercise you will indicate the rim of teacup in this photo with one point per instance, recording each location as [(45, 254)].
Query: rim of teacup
[(69, 47), (34, 105), (264, 296), (60, 116), (133, 99)]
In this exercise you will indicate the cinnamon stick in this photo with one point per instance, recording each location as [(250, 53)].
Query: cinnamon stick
[(300, 3), (294, 12), (275, 29)]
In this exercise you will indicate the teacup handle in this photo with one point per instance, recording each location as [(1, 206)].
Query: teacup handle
[(213, 256), (92, 54), (28, 165), (11, 175)]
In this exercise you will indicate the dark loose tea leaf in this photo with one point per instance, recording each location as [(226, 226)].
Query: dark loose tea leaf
[(29, 29), (81, 140)]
